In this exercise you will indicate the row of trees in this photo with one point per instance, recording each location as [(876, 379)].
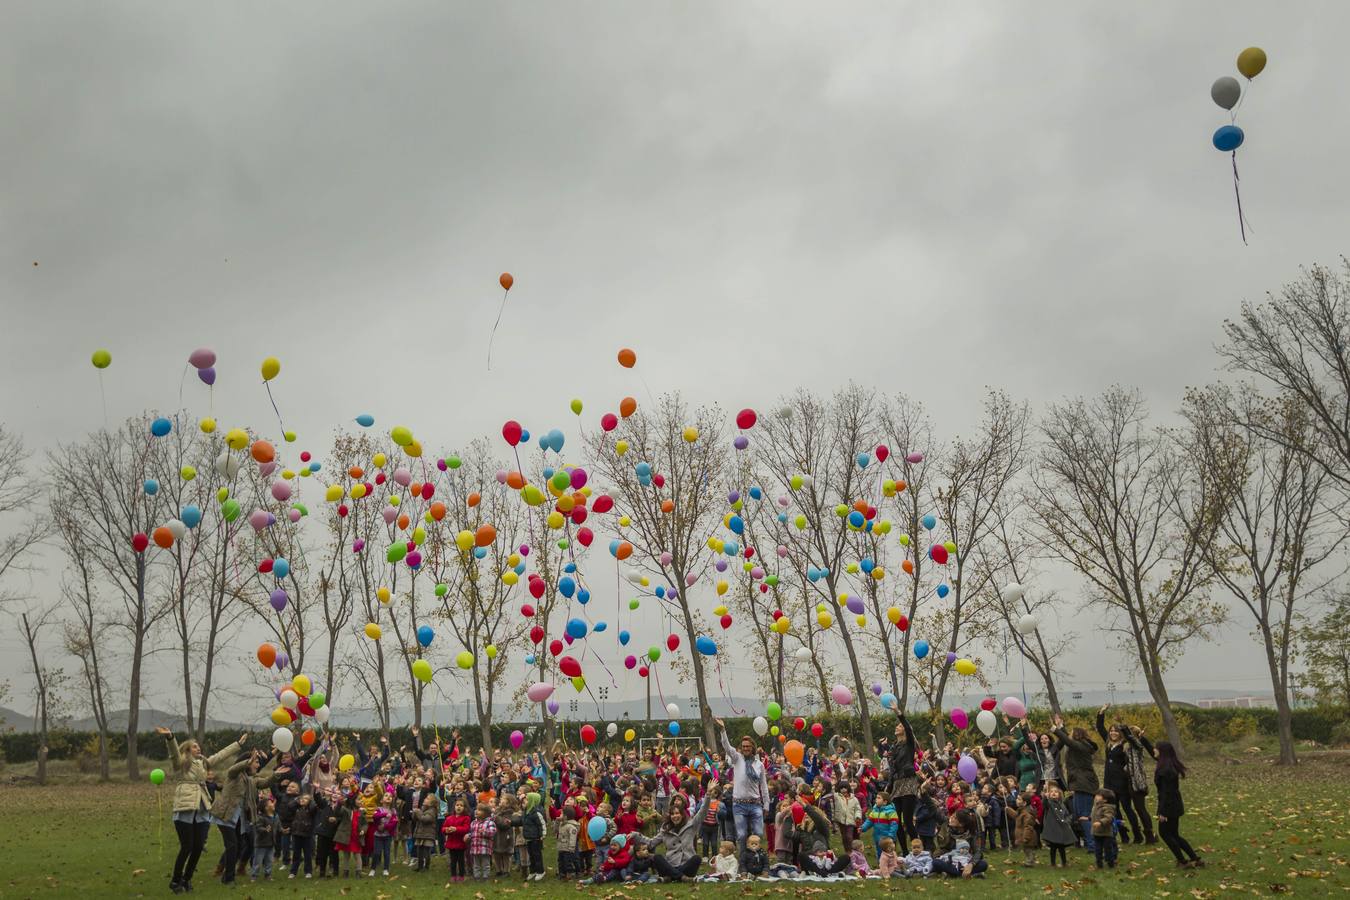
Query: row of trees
[(1236, 508)]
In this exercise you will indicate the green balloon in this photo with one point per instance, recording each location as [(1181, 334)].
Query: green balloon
[(654, 654), (561, 480), (304, 510), (564, 543), (453, 462), (230, 510), (396, 552), (633, 604), (156, 776), (442, 590), (773, 711), (317, 699), (771, 580)]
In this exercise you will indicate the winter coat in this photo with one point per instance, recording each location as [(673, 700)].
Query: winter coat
[(920, 863), (504, 841), (1057, 826), (678, 843), (424, 825), (816, 838), (1103, 818), (1170, 805), (1025, 835), (993, 811), (754, 862), (456, 830), (1028, 763), (326, 825), (784, 831), (531, 824), (230, 798), (1137, 748), (567, 836), (883, 821), (306, 815), (190, 794), (1080, 775), (846, 810), (265, 831), (1116, 774), (926, 817)]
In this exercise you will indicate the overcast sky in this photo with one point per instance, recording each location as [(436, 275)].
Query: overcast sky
[(927, 198)]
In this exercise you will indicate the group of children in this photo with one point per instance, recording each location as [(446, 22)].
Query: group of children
[(666, 814)]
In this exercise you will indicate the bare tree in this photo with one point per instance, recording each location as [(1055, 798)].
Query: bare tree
[(1114, 499), (1300, 342), (106, 477), (671, 516), (1276, 528), (17, 499), (45, 680), (1324, 647)]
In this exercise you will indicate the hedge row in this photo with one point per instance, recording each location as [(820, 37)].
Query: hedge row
[(1205, 725)]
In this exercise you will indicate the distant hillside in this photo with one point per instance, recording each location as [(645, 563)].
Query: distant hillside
[(12, 720)]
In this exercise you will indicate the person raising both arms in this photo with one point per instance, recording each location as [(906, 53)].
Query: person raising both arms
[(191, 802), (749, 786), (1167, 777)]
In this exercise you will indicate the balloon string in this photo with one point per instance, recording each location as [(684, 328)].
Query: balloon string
[(651, 671), (104, 396), (493, 336), (1242, 219), (717, 663), (181, 382), (268, 386)]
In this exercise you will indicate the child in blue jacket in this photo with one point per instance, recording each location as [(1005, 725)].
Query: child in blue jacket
[(881, 821)]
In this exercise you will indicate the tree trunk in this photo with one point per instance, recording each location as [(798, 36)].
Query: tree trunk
[(704, 712), (137, 653), (1158, 690), (859, 691), (1279, 682), (186, 661)]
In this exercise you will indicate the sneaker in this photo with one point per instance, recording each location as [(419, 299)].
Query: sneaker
[(386, 873), (372, 873), (308, 875), (177, 887), (292, 875)]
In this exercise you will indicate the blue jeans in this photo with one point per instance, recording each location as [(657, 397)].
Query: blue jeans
[(262, 861), (382, 846), (749, 818), (1081, 806)]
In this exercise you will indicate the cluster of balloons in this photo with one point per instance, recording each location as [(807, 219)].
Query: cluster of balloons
[(295, 699), (1226, 92)]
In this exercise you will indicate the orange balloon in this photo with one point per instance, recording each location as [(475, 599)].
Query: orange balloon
[(307, 736), (624, 550), (627, 358), (794, 751), (667, 506), (267, 655), (415, 489), (506, 281), (908, 567), (627, 406), (356, 472), (485, 535), (263, 452), (403, 521), (437, 511), (515, 481), (473, 499), (860, 506), (900, 486), (163, 537), (565, 504)]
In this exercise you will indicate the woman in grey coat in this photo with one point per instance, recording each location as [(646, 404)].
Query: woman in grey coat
[(677, 859)]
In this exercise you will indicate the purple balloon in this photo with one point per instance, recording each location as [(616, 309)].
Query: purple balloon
[(876, 688), (951, 658), (733, 496), (855, 606), (440, 464), (283, 660), (278, 599), (207, 375), (968, 769), (414, 559), (552, 707), (358, 545), (741, 442), (721, 565)]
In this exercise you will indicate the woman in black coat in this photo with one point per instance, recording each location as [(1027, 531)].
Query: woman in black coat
[(1116, 776), (1167, 777), (904, 786)]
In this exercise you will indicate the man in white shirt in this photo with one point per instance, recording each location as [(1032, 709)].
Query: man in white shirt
[(749, 786)]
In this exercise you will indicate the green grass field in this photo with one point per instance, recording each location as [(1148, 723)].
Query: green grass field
[(1261, 829)]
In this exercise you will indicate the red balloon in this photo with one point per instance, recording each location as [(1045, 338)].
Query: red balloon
[(428, 489), (746, 419), (579, 515), (537, 633), (799, 723), (903, 624), (643, 671), (588, 734), (673, 642), (342, 510), (526, 610), (988, 703), (938, 554), (659, 480), (882, 452), (265, 566), (585, 536), (609, 421), (726, 620), (817, 729), (569, 667), (555, 646), (139, 542), (777, 614), (568, 638), (379, 478), (537, 588), (511, 432), (798, 813), (304, 706), (603, 504), (749, 552)]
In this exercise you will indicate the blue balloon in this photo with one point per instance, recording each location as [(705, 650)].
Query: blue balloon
[(660, 591), (548, 472), (570, 568), (524, 436), (614, 547), (280, 567), (782, 517), (731, 548), (365, 420), (643, 469), (756, 493), (161, 427), (595, 828), (736, 524), (929, 521), (566, 586), (674, 728), (887, 700), (424, 635), (529, 659), (314, 467), (555, 440), (190, 515), (624, 637), (151, 486), (867, 566), (480, 553), (705, 645), (825, 572), (863, 460), (520, 567), (584, 597), (1228, 138), (857, 519), (813, 573), (576, 629), (599, 627), (942, 590), (920, 649)]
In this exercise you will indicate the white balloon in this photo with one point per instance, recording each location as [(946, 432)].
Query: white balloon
[(803, 654), (321, 714), (1027, 624), (1226, 91), (761, 725), (283, 739), (673, 710), (289, 699), (986, 721), (807, 481), (227, 465), (634, 577), (177, 527), (1013, 592), (611, 729)]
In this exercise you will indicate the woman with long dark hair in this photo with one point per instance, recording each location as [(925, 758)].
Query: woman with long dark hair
[(904, 784), (1167, 777)]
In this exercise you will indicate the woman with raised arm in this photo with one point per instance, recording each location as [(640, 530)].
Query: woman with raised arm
[(904, 786), (1167, 776), (192, 803)]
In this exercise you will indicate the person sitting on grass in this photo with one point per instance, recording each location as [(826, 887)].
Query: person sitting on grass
[(959, 863), (919, 862)]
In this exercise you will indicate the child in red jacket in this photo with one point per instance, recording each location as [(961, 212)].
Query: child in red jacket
[(620, 857), (456, 831)]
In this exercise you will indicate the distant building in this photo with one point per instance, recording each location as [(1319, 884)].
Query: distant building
[(1250, 702)]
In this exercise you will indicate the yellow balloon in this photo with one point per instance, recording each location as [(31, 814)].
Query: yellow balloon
[(346, 763), (629, 735), (373, 631), (621, 447), (824, 620), (576, 405), (464, 660), (271, 367), (281, 717), (690, 434), (965, 667), (187, 473), (464, 540), (720, 611), (578, 682), (288, 474), (1251, 62), (334, 493), (513, 560), (207, 425), (722, 589), (300, 684), (414, 449), (358, 491), (421, 670), (419, 535), (383, 594), (378, 460), (289, 436), (510, 577), (491, 651), (624, 521), (395, 500), (950, 546), (878, 573), (555, 519), (893, 615), (101, 358), (222, 495), (862, 621), (236, 439)]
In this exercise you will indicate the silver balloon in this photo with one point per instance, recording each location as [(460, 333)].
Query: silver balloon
[(1226, 91)]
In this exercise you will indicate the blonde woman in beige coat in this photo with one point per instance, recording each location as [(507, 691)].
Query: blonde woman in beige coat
[(192, 802)]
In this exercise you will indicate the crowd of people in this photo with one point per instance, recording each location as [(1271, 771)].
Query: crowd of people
[(671, 813)]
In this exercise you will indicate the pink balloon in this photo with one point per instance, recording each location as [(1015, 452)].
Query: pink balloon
[(202, 358), (358, 545), (914, 458), (402, 477), (281, 490), (259, 519), (578, 479), (517, 739), (842, 695), (1014, 707), (293, 515), (959, 718), (690, 579), (666, 558), (267, 468), (539, 691), (390, 514), (782, 552), (757, 573), (501, 476)]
